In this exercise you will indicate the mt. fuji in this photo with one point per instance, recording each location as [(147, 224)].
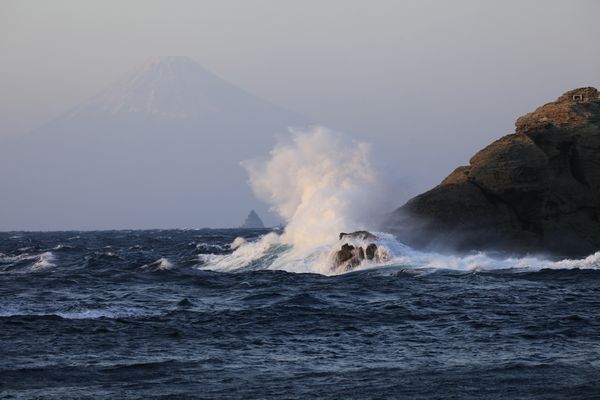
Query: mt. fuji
[(178, 88), (168, 139)]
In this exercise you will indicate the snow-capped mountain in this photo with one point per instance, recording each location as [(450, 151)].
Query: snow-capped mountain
[(175, 87), (159, 148)]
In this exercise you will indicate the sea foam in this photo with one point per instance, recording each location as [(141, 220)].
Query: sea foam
[(162, 264), (322, 183)]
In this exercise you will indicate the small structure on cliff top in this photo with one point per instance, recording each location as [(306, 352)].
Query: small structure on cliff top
[(582, 94)]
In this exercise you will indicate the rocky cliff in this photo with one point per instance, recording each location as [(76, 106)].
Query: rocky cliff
[(534, 191)]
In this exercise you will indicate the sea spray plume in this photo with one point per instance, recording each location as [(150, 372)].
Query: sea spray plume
[(320, 183)]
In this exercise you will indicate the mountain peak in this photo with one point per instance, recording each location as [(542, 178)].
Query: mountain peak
[(170, 65), (174, 87), (169, 136), (171, 60)]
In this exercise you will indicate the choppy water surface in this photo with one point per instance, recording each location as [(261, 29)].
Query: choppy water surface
[(132, 314)]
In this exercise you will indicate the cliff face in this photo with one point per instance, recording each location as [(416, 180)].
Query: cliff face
[(536, 190)]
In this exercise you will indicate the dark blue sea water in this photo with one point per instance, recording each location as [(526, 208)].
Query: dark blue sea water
[(128, 314)]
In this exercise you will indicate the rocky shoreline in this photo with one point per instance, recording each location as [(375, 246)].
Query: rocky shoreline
[(536, 190)]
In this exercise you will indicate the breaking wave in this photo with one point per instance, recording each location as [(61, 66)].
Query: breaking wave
[(26, 262), (162, 264), (269, 253), (83, 313), (45, 260), (322, 183)]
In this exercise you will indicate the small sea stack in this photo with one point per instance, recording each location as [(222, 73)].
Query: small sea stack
[(253, 221)]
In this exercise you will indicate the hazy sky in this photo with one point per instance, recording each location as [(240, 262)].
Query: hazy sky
[(427, 82)]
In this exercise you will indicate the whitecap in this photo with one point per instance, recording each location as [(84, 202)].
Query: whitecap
[(106, 313), (84, 313), (162, 264), (209, 246), (44, 261), (209, 258), (63, 247), (268, 252), (237, 242)]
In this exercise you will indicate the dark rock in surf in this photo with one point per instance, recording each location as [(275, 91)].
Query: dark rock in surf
[(344, 254), (370, 251), (360, 235), (361, 254), (350, 256), (535, 190)]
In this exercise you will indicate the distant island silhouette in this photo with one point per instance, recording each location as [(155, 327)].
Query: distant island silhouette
[(253, 221)]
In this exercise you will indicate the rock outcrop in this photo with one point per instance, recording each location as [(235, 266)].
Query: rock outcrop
[(350, 255), (534, 191), (253, 221), (361, 235)]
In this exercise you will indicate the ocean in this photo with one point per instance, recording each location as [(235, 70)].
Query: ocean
[(178, 314)]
